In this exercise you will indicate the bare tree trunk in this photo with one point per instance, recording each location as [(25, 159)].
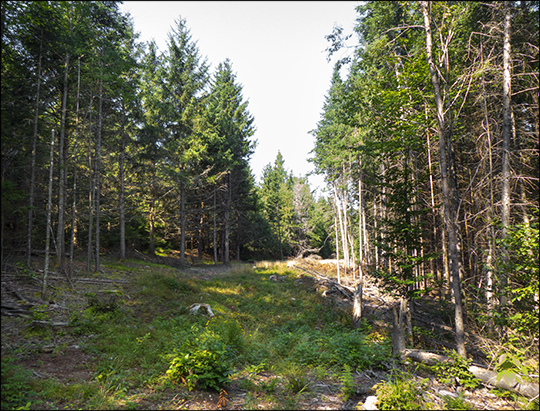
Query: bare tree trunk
[(398, 337), (182, 222), (237, 237), (448, 197), (61, 179), (365, 241), (491, 235), (434, 215), (98, 168), (151, 241), (215, 229), (337, 246), (91, 192), (74, 204), (357, 306), (33, 164), (507, 118), (122, 188), (278, 210), (48, 228), (227, 219), (341, 227)]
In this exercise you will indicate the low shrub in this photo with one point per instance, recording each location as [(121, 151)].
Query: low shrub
[(16, 386), (205, 359), (402, 393), (456, 372)]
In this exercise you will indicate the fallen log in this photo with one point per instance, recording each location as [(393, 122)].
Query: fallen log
[(91, 280), (489, 377), (51, 323)]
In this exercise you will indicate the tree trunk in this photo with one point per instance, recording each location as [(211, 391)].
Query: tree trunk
[(337, 247), (491, 303), (74, 204), (182, 222), (61, 179), (507, 117), (357, 301), (227, 218), (215, 228), (237, 237), (448, 197), (341, 227), (398, 337), (279, 231), (33, 164), (122, 188), (98, 168), (151, 241), (200, 234), (48, 227), (91, 195)]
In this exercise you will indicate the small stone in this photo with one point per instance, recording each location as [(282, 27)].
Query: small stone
[(47, 348), (370, 403)]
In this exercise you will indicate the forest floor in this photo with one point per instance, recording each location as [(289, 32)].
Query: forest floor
[(107, 343)]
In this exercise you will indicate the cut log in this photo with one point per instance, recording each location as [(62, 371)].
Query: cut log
[(489, 377)]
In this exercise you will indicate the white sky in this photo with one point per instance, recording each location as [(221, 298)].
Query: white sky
[(277, 51)]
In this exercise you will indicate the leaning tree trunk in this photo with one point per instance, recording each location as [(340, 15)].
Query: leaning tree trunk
[(48, 228), (443, 128)]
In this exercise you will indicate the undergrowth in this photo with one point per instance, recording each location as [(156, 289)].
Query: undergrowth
[(146, 338)]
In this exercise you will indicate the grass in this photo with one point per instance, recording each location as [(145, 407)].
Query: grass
[(140, 345)]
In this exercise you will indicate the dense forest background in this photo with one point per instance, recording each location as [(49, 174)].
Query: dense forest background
[(428, 144)]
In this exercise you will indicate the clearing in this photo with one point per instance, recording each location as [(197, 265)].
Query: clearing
[(281, 337)]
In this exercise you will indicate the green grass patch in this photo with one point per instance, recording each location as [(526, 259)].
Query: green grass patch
[(151, 341)]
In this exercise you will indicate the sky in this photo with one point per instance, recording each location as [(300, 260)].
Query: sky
[(277, 50)]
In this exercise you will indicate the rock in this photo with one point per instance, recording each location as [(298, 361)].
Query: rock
[(195, 307), (48, 348), (370, 403), (447, 393)]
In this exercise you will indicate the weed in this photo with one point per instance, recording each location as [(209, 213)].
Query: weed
[(40, 313), (203, 361), (403, 393), (347, 382), (250, 403), (297, 381), (456, 371), (459, 403)]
